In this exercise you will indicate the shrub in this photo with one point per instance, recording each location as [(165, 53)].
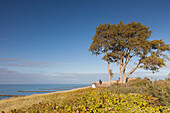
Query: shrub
[(159, 89)]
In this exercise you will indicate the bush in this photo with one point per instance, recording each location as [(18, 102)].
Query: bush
[(139, 82), (159, 89)]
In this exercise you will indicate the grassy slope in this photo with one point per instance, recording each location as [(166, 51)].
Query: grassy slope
[(115, 98), (96, 101), (24, 102)]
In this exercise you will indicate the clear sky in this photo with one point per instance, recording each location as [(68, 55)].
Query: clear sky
[(47, 41)]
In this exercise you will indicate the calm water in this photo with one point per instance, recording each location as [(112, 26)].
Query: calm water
[(12, 89)]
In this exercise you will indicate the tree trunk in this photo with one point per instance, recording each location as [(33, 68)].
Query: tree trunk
[(124, 80), (109, 72), (120, 71), (108, 69), (124, 77)]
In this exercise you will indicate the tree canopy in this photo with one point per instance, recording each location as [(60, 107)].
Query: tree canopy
[(122, 42)]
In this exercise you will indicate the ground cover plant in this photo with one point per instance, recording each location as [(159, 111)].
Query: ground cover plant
[(96, 101)]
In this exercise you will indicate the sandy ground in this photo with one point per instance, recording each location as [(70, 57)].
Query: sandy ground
[(19, 102)]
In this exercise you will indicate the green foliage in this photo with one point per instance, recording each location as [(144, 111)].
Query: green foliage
[(139, 82), (159, 89), (95, 101), (121, 42)]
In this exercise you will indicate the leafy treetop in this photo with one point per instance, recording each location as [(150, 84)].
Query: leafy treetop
[(122, 42)]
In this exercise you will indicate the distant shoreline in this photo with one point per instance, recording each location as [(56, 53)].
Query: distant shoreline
[(13, 90), (16, 102), (52, 92)]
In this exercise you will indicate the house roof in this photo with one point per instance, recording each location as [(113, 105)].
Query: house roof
[(104, 83)]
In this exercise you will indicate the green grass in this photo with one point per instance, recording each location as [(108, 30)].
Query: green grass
[(94, 101), (137, 96), (27, 101), (159, 89)]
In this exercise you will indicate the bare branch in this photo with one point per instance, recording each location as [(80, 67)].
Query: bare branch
[(133, 69)]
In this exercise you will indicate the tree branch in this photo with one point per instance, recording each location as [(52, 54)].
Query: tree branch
[(127, 61), (133, 69)]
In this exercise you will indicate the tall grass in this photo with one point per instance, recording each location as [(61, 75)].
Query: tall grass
[(159, 89)]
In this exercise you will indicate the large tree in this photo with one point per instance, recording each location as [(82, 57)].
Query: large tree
[(122, 42)]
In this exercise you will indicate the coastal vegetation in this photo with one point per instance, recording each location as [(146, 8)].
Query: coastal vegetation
[(141, 95), (123, 43), (159, 89)]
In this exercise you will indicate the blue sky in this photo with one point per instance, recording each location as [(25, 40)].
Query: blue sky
[(44, 42)]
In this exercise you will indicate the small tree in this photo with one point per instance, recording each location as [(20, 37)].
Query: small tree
[(121, 43)]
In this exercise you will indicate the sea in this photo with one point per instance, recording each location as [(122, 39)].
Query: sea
[(15, 89)]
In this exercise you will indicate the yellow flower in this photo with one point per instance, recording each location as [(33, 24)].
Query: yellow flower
[(57, 107)]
